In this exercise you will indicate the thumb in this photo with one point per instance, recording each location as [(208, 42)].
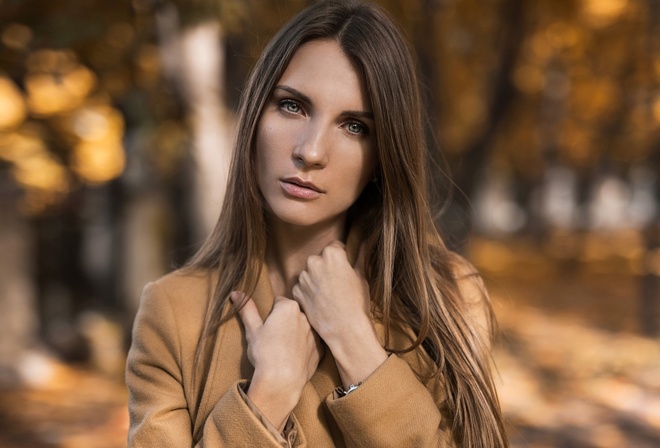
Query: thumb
[(338, 243), (248, 312)]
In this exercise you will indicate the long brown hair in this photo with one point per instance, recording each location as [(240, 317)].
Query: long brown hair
[(410, 271)]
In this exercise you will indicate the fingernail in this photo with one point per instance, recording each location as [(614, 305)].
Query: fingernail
[(234, 296)]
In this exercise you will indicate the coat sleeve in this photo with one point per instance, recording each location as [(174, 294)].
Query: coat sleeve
[(393, 408), (159, 412)]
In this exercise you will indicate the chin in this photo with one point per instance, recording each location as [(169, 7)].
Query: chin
[(302, 215), (298, 219)]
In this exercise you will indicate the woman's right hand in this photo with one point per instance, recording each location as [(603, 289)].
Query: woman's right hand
[(284, 351)]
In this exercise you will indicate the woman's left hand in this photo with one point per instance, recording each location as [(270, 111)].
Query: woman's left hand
[(335, 299)]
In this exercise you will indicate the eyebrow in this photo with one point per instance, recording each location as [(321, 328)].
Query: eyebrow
[(304, 98)]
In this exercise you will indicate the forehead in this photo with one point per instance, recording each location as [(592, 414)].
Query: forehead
[(321, 70)]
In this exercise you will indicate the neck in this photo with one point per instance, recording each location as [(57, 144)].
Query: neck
[(289, 246)]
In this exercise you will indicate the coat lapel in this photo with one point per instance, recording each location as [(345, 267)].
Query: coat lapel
[(229, 363)]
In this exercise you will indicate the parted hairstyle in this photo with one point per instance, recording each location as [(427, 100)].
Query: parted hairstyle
[(410, 271)]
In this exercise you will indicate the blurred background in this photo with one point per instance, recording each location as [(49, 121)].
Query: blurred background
[(116, 121)]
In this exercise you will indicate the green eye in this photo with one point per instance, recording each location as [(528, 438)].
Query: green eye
[(356, 128), (290, 106)]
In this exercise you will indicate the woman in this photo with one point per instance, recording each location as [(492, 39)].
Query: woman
[(324, 309)]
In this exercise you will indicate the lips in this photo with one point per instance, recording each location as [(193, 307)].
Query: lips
[(303, 183), (300, 189)]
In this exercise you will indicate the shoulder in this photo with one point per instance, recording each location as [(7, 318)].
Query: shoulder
[(184, 286), (179, 299)]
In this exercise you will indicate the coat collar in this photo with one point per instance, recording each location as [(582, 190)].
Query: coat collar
[(229, 360)]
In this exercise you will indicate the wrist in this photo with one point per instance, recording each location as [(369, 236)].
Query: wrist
[(349, 334), (341, 392), (275, 399), (357, 357)]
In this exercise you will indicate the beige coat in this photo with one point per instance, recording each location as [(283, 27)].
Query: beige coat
[(173, 405)]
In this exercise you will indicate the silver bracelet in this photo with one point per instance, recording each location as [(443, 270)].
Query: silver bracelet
[(343, 392)]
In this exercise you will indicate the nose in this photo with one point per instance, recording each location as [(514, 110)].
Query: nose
[(311, 148)]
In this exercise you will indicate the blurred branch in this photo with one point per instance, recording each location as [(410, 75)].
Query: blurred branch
[(503, 92), (649, 284)]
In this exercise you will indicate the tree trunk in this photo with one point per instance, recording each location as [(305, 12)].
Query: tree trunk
[(649, 285), (194, 64), (458, 218), (18, 317), (202, 63)]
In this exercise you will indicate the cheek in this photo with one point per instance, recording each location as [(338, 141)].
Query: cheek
[(264, 148), (367, 166), (261, 162), (356, 175), (258, 160), (271, 143)]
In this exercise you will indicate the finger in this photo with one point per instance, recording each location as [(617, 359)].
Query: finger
[(335, 248), (280, 299), (298, 296), (248, 312), (333, 252), (338, 244), (313, 263), (304, 279)]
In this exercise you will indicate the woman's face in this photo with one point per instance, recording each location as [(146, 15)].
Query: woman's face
[(315, 139)]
